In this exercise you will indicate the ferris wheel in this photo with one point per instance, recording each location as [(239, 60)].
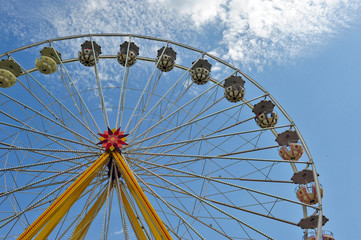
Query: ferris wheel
[(120, 136)]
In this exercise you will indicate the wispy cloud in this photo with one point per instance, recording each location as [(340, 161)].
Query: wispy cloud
[(260, 32), (141, 17), (119, 232), (248, 32), (201, 11), (281, 30)]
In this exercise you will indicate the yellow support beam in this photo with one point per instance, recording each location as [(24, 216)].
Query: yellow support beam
[(56, 211), (139, 232), (153, 220), (84, 225), (59, 214)]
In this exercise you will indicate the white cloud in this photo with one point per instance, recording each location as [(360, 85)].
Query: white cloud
[(91, 16), (246, 32), (259, 32), (119, 232), (201, 11)]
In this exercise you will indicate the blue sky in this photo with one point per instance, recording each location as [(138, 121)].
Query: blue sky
[(305, 53)]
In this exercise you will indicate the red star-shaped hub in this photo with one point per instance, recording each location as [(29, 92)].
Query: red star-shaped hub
[(112, 139)]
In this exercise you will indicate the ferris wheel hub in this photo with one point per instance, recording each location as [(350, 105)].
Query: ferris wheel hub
[(112, 139)]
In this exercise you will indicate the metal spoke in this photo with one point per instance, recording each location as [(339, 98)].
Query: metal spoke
[(161, 99), (48, 135), (207, 203), (76, 90), (207, 138), (198, 157), (172, 209), (100, 90), (57, 100), (194, 120), (45, 117), (144, 89), (195, 99), (222, 182)]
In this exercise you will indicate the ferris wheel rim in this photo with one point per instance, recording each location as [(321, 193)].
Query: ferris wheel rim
[(183, 67)]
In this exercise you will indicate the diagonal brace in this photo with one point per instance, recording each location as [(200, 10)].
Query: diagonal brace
[(48, 220), (85, 223), (151, 217)]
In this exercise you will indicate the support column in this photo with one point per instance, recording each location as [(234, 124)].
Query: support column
[(84, 225), (48, 220), (151, 217)]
